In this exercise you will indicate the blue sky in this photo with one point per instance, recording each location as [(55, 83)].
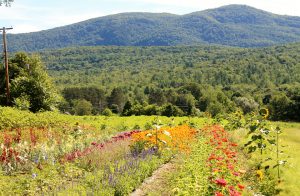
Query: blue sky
[(35, 15)]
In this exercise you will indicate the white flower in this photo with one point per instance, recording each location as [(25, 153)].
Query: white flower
[(149, 135), (157, 126), (167, 133), (281, 162), (163, 141)]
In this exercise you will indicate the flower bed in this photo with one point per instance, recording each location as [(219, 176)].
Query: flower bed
[(225, 174)]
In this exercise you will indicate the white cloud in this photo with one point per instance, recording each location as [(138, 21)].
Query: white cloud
[(21, 28)]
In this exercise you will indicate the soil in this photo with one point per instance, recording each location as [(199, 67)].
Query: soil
[(157, 184)]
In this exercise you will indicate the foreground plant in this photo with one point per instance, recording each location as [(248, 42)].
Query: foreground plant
[(225, 173)]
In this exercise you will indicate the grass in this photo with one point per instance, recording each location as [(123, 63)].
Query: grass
[(291, 173)]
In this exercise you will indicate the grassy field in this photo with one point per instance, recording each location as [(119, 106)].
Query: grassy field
[(291, 174)]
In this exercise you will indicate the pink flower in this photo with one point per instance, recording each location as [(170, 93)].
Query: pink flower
[(221, 182), (233, 192)]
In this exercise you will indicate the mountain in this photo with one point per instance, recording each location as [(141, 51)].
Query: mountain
[(232, 25)]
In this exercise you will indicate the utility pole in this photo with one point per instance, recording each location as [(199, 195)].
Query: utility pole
[(6, 63)]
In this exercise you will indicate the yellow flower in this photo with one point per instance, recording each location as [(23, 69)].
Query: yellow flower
[(260, 174), (264, 112)]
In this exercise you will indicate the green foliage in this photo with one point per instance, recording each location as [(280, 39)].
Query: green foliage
[(247, 105), (107, 112), (82, 107), (171, 110), (94, 95), (22, 103), (192, 173), (220, 80), (233, 25), (30, 83)]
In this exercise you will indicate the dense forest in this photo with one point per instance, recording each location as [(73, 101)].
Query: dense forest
[(182, 80), (232, 25)]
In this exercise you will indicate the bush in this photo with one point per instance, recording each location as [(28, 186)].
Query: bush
[(107, 112), (171, 110)]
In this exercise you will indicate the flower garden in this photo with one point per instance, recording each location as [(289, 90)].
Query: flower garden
[(55, 154)]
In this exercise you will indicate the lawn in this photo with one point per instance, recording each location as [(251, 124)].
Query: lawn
[(291, 174)]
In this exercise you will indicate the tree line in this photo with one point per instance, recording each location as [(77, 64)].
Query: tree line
[(170, 81)]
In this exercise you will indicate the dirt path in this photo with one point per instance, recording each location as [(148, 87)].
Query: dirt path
[(156, 184)]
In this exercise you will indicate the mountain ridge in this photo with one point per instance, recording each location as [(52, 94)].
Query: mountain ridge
[(231, 25)]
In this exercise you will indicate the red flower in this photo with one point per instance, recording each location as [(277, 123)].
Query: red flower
[(241, 186), (221, 182), (218, 194), (235, 173), (225, 140), (233, 192)]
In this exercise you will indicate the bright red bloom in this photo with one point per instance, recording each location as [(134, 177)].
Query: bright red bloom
[(241, 186), (225, 140), (221, 182), (218, 194), (233, 192)]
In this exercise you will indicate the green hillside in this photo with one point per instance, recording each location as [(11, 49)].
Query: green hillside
[(173, 66), (209, 78), (233, 25)]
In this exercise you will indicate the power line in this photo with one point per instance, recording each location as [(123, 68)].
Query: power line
[(6, 63)]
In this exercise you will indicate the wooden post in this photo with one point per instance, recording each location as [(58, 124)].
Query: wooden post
[(6, 64)]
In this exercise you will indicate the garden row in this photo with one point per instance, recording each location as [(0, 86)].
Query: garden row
[(52, 156)]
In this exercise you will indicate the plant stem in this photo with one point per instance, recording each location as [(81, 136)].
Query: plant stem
[(277, 151)]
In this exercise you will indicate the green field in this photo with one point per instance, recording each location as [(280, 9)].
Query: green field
[(291, 138)]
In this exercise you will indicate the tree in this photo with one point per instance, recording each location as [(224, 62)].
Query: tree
[(116, 100), (247, 105), (156, 96), (92, 94), (6, 2), (186, 103), (171, 110), (82, 107), (30, 82), (279, 107), (127, 109)]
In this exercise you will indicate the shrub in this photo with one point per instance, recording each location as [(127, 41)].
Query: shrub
[(107, 112)]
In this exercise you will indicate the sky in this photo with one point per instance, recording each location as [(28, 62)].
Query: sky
[(34, 15)]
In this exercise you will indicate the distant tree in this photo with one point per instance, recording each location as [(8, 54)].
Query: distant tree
[(117, 100), (171, 110), (92, 94), (247, 105), (186, 103), (127, 109), (150, 110), (215, 108), (279, 107), (82, 107), (6, 2), (156, 96)]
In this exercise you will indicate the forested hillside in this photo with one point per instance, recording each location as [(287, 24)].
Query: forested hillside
[(233, 25), (192, 79)]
